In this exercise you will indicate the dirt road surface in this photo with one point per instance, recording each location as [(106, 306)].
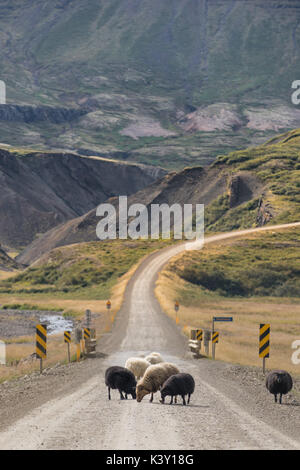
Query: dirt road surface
[(67, 407)]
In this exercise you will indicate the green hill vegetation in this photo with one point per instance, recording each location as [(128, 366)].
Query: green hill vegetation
[(264, 265)]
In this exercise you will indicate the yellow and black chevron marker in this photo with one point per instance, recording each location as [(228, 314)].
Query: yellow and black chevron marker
[(67, 336), (41, 341), (199, 335), (87, 333), (215, 337), (264, 340)]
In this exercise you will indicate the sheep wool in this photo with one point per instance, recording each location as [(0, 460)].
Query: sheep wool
[(154, 358), (153, 379), (279, 382), (179, 384), (137, 366), (122, 379)]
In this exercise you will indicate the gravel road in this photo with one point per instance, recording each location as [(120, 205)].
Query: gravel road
[(67, 407)]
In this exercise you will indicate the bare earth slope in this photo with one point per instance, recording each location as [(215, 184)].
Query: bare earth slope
[(68, 408), (42, 190)]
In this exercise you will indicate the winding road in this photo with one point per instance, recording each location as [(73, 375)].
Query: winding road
[(222, 414)]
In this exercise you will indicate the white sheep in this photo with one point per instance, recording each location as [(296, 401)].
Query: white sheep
[(154, 358), (153, 379), (137, 365)]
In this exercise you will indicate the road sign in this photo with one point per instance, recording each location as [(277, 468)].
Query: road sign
[(67, 336), (41, 341), (41, 344), (176, 306), (108, 305), (264, 342), (215, 337), (86, 333), (199, 335), (67, 339), (222, 318)]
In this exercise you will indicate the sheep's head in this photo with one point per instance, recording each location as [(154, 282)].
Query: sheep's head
[(133, 393), (279, 378), (141, 391), (164, 392)]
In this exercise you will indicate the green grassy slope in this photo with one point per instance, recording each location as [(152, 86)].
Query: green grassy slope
[(247, 267), (276, 164)]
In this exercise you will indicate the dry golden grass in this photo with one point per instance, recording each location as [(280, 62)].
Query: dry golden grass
[(239, 339), (6, 274)]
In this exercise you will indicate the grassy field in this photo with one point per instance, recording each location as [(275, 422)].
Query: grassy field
[(242, 262), (70, 279)]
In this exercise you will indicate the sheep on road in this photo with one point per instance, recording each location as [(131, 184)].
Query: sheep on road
[(153, 379), (122, 379), (137, 366), (279, 382), (179, 384)]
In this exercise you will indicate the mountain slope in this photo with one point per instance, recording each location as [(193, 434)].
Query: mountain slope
[(42, 190), (240, 190), (175, 82)]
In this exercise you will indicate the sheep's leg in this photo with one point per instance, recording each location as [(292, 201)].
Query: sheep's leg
[(109, 393), (126, 396), (183, 400), (280, 398), (189, 397), (121, 395), (175, 399), (275, 398), (171, 402), (151, 398)]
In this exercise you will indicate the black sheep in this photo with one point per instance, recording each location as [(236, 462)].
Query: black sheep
[(178, 384), (121, 379), (279, 382)]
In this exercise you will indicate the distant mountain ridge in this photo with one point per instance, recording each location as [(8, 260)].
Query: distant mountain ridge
[(244, 189), (171, 83)]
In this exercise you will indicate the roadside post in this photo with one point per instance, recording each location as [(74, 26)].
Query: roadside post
[(41, 343), (90, 341), (199, 338), (207, 338), (176, 308), (214, 341), (67, 340), (78, 338), (88, 318), (108, 307), (195, 342), (264, 343), (215, 334)]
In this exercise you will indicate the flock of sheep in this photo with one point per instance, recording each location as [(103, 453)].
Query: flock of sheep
[(143, 376), (152, 374)]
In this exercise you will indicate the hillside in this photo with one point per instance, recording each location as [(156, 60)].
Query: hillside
[(254, 279), (246, 188), (41, 190), (169, 83), (6, 262)]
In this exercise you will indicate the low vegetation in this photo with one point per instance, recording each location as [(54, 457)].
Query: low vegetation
[(85, 270), (263, 266), (255, 279)]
